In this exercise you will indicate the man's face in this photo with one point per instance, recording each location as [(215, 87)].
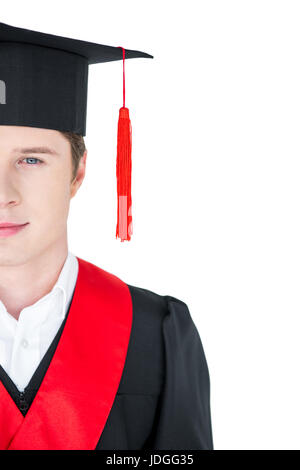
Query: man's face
[(35, 187)]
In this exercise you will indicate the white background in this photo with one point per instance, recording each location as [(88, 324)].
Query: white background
[(216, 192)]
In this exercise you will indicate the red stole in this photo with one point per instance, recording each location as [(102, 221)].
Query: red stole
[(74, 400)]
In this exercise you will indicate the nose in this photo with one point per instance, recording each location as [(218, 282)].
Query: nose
[(9, 195)]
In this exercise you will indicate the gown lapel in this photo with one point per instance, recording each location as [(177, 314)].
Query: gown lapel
[(10, 416), (74, 400)]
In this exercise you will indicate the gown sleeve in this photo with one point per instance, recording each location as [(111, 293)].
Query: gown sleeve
[(183, 416)]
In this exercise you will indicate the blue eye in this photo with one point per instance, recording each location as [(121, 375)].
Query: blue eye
[(32, 158)]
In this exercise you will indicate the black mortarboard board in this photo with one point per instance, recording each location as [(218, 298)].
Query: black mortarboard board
[(46, 78), (44, 82)]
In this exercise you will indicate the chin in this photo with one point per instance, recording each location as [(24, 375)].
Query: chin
[(12, 256)]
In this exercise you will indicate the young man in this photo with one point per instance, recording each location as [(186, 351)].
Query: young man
[(86, 360)]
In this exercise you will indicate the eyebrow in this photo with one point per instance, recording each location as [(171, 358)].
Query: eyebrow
[(26, 150)]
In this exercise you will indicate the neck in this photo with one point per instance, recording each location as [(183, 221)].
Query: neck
[(23, 285)]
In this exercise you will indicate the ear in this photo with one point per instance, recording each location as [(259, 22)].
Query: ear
[(76, 183)]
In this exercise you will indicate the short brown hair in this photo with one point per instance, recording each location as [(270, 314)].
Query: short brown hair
[(77, 149)]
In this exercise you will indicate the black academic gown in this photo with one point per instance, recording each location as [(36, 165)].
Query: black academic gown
[(163, 399)]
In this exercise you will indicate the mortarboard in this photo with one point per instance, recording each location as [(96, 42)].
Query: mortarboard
[(44, 82)]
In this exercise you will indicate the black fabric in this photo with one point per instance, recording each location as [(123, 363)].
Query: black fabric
[(44, 78), (163, 399)]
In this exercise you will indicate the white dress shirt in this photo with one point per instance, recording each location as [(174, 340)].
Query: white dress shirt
[(24, 342)]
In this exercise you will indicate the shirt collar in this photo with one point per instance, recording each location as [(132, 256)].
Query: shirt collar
[(66, 282)]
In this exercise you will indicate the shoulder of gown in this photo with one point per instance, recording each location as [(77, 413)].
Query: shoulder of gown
[(173, 365)]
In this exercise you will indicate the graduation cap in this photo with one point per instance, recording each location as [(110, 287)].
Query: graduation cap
[(44, 82)]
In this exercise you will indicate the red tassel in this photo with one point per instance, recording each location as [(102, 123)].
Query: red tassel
[(124, 223), (123, 169)]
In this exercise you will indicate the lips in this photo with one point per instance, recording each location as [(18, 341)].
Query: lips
[(9, 224), (12, 230)]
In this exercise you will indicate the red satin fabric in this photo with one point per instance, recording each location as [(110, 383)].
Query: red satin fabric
[(72, 405)]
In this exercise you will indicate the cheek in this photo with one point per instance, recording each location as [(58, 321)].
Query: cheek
[(49, 199)]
